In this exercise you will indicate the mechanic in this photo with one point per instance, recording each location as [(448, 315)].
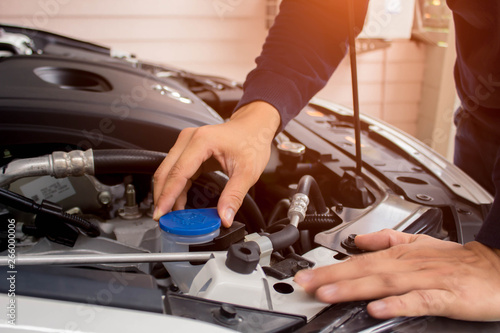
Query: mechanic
[(410, 275)]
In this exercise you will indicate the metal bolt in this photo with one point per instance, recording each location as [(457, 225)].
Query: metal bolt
[(227, 311), (350, 239), (350, 245), (130, 196), (227, 315), (105, 197), (300, 265), (424, 197), (131, 210)]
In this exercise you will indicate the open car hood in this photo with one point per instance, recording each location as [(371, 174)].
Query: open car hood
[(61, 97)]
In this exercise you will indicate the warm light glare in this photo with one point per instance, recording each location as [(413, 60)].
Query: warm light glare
[(314, 113), (436, 2), (352, 140)]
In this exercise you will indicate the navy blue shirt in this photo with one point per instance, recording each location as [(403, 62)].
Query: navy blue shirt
[(310, 37), (305, 45), (477, 70)]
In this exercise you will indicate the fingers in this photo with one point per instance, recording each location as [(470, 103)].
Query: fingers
[(400, 244), (233, 194), (415, 276), (377, 285), (415, 303), (383, 239), (377, 270), (177, 171), (312, 279), (163, 170), (410, 288), (180, 203)]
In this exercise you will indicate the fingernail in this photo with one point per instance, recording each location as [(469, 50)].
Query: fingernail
[(303, 277), (229, 215), (157, 214), (378, 308), (327, 292)]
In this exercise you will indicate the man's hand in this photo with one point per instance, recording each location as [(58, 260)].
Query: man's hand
[(415, 275), (240, 147)]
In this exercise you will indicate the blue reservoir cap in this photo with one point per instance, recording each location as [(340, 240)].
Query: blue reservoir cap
[(191, 222)]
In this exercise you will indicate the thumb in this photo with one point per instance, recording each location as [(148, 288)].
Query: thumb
[(232, 197)]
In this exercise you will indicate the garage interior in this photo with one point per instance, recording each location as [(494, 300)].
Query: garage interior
[(405, 53)]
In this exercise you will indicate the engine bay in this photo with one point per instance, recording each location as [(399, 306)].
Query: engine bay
[(83, 131)]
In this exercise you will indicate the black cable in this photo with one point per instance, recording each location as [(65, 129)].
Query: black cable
[(47, 209)]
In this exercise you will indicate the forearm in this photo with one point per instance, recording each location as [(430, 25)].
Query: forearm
[(303, 48)]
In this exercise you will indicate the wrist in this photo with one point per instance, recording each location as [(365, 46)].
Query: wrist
[(260, 113)]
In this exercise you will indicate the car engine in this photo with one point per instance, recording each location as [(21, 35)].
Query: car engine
[(83, 130)]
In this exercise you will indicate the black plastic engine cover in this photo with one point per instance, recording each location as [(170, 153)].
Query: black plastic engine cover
[(51, 99)]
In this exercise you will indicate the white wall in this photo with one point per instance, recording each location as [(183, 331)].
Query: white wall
[(212, 36), (390, 84)]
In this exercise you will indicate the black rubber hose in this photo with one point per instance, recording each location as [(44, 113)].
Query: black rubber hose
[(47, 209), (280, 207), (108, 161), (311, 221), (284, 238), (248, 208), (315, 221), (308, 186)]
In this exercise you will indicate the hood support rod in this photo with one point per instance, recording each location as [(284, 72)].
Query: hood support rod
[(355, 95)]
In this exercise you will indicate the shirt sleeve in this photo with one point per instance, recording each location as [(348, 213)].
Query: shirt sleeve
[(305, 45)]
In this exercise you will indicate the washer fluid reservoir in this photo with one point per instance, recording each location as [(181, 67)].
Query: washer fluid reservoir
[(182, 228)]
